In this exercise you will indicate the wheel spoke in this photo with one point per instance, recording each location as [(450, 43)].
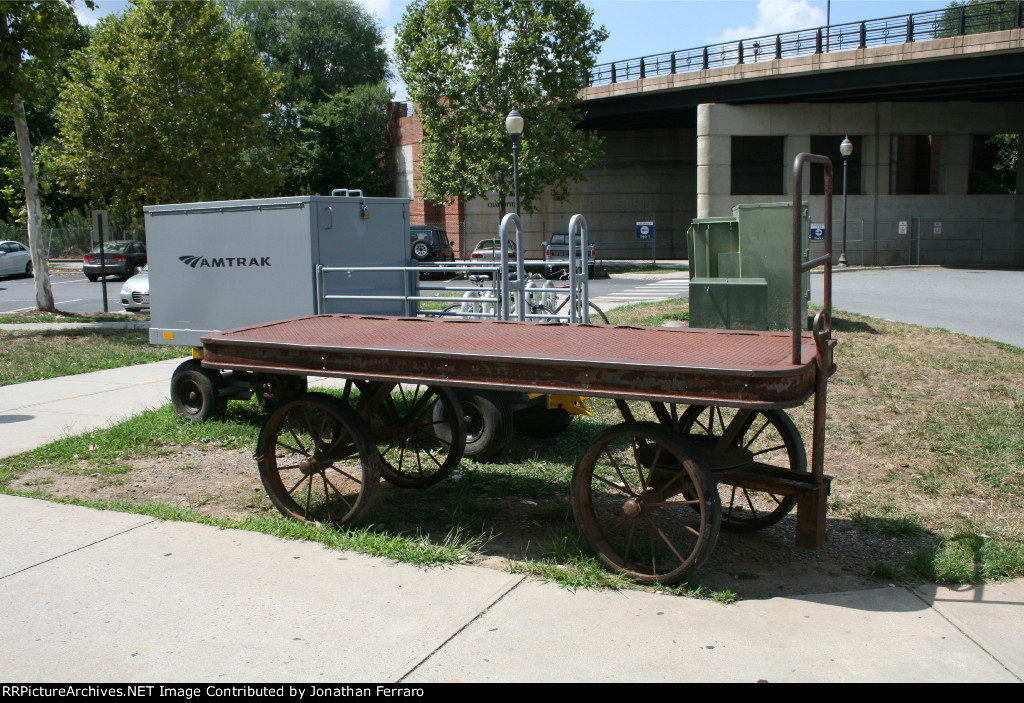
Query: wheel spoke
[(615, 465), (666, 540), (346, 474), (757, 434), (685, 526), (627, 490), (340, 494), (297, 484), (769, 449)]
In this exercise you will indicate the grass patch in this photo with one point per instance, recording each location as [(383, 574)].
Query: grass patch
[(40, 354), (887, 522), (650, 314), (11, 318), (969, 557)]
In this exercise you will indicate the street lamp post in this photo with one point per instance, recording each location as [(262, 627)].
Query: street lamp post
[(514, 126), (846, 148)]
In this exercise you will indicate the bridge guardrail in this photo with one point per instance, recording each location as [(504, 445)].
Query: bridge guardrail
[(918, 26)]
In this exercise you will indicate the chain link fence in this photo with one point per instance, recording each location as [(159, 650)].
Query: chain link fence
[(915, 241), (68, 242)]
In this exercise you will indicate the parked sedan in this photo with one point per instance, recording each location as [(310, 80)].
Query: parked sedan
[(120, 258), (490, 250), (15, 259), (135, 292)]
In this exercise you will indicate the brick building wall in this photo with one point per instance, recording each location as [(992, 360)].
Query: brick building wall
[(407, 150)]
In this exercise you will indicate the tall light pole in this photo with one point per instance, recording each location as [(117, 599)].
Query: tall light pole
[(846, 148), (514, 126)]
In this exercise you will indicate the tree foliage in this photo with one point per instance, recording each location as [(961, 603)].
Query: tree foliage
[(343, 141), (331, 115), (318, 48), (994, 164), (166, 105), (974, 16), (468, 64)]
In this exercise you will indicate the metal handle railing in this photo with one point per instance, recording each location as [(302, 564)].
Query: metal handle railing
[(800, 266), (578, 222)]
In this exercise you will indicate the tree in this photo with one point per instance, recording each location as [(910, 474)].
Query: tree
[(28, 39), (468, 64), (322, 52), (166, 105), (974, 16), (344, 140), (318, 48)]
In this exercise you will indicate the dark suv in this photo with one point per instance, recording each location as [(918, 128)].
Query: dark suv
[(430, 243)]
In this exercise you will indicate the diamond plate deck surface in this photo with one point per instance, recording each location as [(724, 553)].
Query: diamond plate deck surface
[(748, 368)]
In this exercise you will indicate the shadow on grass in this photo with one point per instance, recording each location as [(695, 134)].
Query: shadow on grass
[(845, 324)]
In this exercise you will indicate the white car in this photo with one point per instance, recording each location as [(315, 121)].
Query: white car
[(15, 259), (135, 291), (490, 250)]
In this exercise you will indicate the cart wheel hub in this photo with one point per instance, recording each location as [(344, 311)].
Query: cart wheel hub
[(632, 508), (307, 467)]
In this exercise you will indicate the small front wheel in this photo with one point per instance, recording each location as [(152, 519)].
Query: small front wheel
[(195, 392), (488, 422), (645, 502)]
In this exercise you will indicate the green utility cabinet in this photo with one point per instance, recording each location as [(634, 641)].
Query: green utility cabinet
[(741, 268)]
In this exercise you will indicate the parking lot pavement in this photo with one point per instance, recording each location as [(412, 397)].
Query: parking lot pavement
[(981, 303)]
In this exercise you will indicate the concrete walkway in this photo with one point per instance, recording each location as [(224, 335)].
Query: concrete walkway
[(96, 596)]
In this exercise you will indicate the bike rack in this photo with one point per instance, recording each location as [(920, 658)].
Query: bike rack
[(505, 285)]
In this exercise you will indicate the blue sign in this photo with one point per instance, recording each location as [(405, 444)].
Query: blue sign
[(645, 230), (817, 232)]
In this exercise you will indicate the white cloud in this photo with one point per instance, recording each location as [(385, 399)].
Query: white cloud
[(775, 17)]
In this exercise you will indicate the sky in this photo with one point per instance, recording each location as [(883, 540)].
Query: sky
[(643, 27)]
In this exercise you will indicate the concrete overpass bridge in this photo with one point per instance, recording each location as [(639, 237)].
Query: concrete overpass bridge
[(692, 133)]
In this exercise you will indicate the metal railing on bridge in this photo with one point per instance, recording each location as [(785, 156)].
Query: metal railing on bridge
[(918, 26)]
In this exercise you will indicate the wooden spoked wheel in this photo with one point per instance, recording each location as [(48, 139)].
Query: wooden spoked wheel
[(645, 502), (420, 432), (317, 461), (761, 440)]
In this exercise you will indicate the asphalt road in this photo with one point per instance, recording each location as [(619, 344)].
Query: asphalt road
[(981, 303), (72, 292)]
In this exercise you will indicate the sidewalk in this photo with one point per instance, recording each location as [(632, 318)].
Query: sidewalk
[(97, 596)]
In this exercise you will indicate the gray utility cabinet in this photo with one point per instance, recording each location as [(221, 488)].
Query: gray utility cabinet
[(741, 268), (220, 265)]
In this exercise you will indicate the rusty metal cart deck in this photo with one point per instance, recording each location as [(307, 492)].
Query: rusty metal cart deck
[(646, 495), (709, 367)]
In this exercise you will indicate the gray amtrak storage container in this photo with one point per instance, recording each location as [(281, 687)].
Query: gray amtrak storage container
[(220, 265)]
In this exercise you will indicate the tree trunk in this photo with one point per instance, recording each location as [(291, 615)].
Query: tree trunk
[(44, 294)]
